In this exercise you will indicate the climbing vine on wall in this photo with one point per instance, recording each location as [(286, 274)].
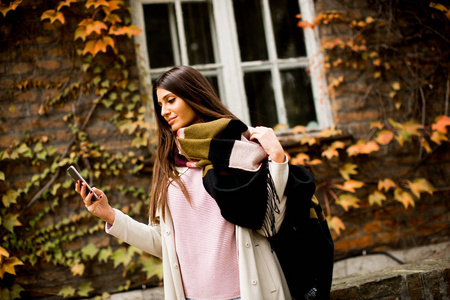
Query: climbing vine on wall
[(97, 28), (386, 51), (28, 240)]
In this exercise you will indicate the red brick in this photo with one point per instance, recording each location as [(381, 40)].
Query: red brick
[(51, 26), (391, 211), (438, 217), (359, 130), (372, 227), (351, 231), (99, 241), (8, 56), (48, 65), (49, 94), (400, 160), (30, 53), (55, 52), (387, 237), (49, 123), (433, 229), (6, 140), (409, 232), (366, 115), (414, 221), (64, 135), (75, 245), (21, 110), (28, 95), (44, 39), (423, 207), (357, 243), (6, 83), (21, 68)]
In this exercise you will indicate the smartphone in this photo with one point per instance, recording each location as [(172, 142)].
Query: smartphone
[(77, 176)]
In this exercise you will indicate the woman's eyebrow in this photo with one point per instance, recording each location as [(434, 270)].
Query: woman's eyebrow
[(167, 96)]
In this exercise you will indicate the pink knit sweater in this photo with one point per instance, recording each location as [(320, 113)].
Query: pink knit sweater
[(205, 242)]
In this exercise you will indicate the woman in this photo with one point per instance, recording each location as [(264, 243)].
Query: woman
[(205, 256)]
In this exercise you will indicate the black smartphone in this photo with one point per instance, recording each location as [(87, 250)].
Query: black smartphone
[(77, 176)]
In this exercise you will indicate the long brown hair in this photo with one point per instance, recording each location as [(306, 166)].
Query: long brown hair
[(191, 86)]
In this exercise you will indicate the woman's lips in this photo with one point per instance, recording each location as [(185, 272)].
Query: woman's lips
[(170, 121)]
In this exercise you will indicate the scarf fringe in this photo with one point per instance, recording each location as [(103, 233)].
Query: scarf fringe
[(272, 207)]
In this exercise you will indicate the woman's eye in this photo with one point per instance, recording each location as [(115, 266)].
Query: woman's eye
[(171, 100)]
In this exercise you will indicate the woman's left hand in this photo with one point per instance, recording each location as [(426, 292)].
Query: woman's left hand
[(269, 141)]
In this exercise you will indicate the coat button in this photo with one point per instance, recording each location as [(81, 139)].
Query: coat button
[(167, 232), (247, 244), (175, 266), (254, 282)]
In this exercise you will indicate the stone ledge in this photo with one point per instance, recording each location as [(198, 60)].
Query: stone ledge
[(427, 279)]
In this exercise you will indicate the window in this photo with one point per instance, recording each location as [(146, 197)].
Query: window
[(266, 69)]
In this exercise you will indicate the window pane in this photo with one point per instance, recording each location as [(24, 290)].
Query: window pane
[(288, 36), (297, 92), (198, 33), (214, 82), (159, 41), (261, 99), (249, 24)]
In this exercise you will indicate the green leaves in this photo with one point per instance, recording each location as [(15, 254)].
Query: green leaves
[(11, 294), (151, 265), (67, 292), (84, 289), (10, 221), (127, 125), (104, 254), (121, 256), (10, 197), (124, 256), (89, 251)]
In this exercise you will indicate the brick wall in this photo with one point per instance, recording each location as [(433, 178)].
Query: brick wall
[(38, 60), (357, 102)]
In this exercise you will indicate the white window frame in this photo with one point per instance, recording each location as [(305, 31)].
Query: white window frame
[(228, 67)]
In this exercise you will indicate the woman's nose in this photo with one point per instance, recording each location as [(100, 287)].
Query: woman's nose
[(164, 110)]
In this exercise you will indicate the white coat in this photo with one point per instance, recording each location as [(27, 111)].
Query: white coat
[(260, 273)]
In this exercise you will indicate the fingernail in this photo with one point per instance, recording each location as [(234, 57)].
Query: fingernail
[(100, 197), (90, 192)]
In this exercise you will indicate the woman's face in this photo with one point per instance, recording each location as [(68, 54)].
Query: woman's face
[(175, 110)]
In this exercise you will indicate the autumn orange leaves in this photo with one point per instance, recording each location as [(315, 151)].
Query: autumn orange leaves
[(96, 30), (348, 158)]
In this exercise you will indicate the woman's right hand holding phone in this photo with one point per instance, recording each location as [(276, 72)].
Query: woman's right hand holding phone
[(99, 208)]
